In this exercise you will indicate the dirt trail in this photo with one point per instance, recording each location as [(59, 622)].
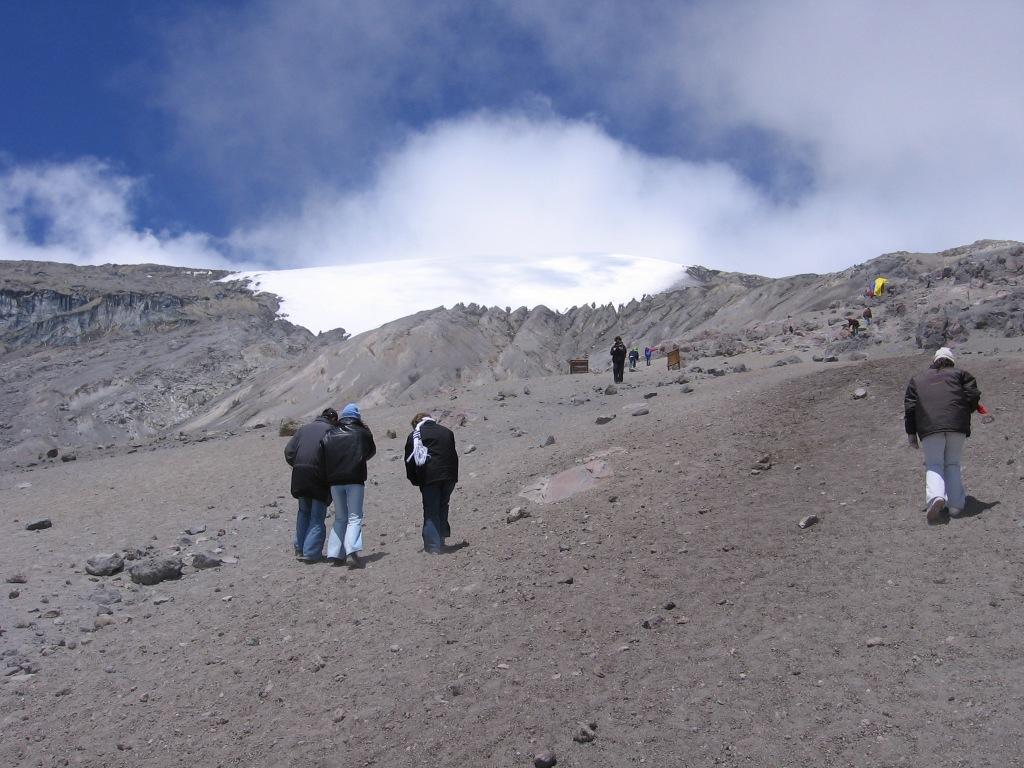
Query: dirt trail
[(485, 655)]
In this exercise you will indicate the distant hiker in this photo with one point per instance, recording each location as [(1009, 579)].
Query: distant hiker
[(432, 464), (866, 314), (344, 452), (937, 409), (634, 356), (647, 354), (308, 486), (853, 324), (618, 354)]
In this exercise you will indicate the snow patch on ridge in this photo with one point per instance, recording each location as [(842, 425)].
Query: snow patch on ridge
[(360, 297)]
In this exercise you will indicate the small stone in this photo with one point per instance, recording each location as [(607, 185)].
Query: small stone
[(195, 530), (394, 648), (455, 689), (391, 434), (154, 571), (161, 599), (545, 759), (603, 419), (104, 564), (641, 411), (102, 621), (611, 389), (17, 578), (875, 641), (808, 521), (202, 561), (469, 449), (566, 580), (668, 605), (860, 393), (68, 457), (516, 513), (549, 440), (653, 622), (39, 525), (337, 716), (52, 453), (13, 594), (584, 735), (227, 598), (143, 697), (649, 395)]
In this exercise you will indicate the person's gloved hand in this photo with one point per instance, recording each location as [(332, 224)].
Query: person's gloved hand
[(912, 441)]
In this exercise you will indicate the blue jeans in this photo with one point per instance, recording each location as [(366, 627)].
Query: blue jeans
[(942, 480), (309, 528), (348, 520), (435, 514)]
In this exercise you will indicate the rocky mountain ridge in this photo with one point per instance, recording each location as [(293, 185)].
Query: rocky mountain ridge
[(111, 356)]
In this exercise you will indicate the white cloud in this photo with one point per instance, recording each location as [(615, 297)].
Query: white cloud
[(81, 212)]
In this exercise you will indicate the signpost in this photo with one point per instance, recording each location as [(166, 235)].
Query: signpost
[(674, 363), (579, 365)]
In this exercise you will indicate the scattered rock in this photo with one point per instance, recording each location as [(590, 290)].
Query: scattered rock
[(641, 411), (102, 621), (857, 356), (649, 395), (807, 522), (161, 599), (549, 440), (17, 578), (860, 393), (391, 434), (611, 389), (201, 561), (516, 513), (653, 622), (13, 594), (155, 571), (875, 641), (545, 759), (584, 735), (195, 530), (68, 457), (338, 716), (686, 389), (830, 359), (52, 453), (469, 448), (566, 580), (104, 564), (38, 525), (668, 605), (603, 419)]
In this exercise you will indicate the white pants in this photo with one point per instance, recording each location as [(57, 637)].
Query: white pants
[(942, 468)]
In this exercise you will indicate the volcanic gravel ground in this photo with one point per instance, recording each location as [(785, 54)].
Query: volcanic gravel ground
[(485, 656)]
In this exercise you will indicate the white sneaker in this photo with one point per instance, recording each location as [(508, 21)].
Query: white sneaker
[(934, 514)]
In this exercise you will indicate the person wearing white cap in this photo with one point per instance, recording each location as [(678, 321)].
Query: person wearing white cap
[(937, 410)]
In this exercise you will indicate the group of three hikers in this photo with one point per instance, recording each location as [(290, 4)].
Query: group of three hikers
[(328, 460)]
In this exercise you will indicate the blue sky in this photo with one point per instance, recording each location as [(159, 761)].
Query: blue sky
[(776, 137)]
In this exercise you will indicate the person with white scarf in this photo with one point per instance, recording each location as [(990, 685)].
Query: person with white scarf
[(432, 464)]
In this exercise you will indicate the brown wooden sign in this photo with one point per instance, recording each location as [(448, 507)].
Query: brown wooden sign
[(674, 363), (579, 365)]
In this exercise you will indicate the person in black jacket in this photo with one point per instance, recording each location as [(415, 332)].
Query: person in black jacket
[(344, 452), (937, 409), (432, 464), (618, 354), (308, 486)]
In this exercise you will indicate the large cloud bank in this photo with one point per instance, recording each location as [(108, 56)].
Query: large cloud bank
[(775, 138)]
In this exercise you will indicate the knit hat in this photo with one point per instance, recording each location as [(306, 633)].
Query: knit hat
[(944, 352), (330, 414), (351, 411)]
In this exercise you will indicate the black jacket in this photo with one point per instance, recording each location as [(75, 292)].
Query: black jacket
[(443, 460), (618, 353), (303, 455), (344, 452), (940, 400)]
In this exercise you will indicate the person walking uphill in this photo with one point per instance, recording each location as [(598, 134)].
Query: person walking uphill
[(432, 464), (634, 357), (647, 355), (308, 485), (937, 409), (618, 354), (344, 452)]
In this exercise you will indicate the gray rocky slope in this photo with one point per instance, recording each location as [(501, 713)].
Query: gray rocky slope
[(99, 357)]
